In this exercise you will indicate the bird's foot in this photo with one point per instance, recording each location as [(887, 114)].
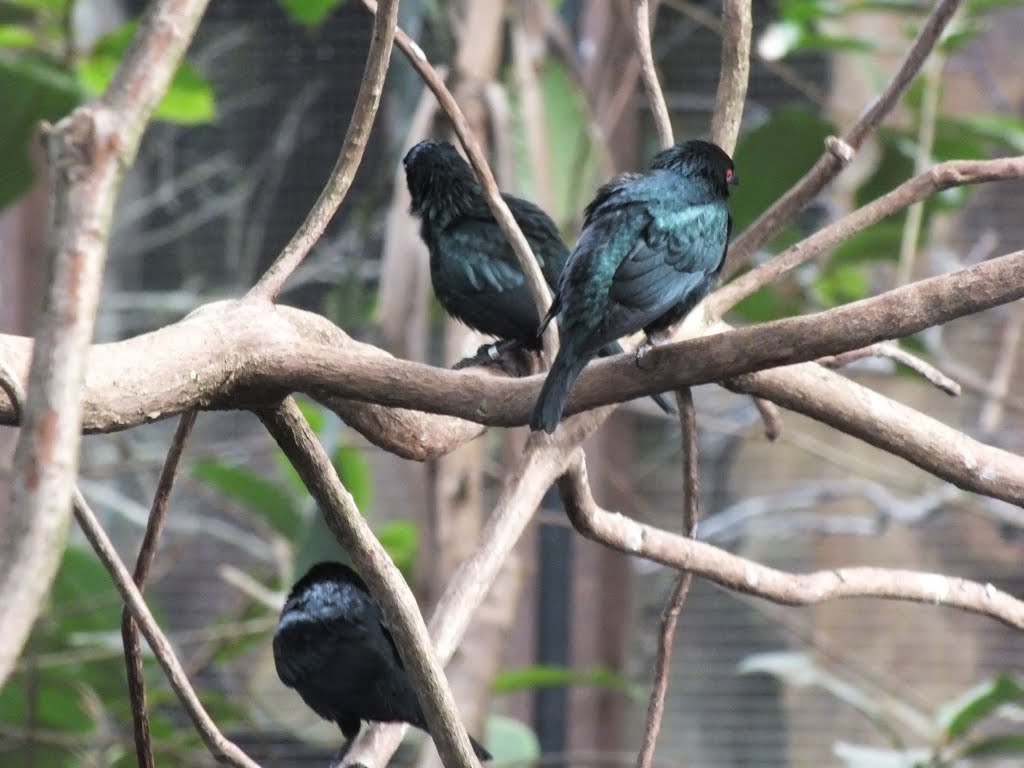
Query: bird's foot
[(641, 353), (508, 355)]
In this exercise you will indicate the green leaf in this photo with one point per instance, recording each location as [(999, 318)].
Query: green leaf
[(769, 303), (33, 89), (401, 539), (860, 756), (189, 99), (16, 36), (895, 165), (979, 702), (511, 741), (773, 157), (355, 475), (257, 494), (83, 599), (842, 284), (309, 13), (549, 676), (878, 243), (1006, 745), (55, 703)]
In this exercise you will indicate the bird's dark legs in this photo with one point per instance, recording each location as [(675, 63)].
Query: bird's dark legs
[(508, 354), (652, 339)]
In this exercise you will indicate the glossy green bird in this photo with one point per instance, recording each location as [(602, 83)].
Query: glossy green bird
[(651, 248), (474, 271)]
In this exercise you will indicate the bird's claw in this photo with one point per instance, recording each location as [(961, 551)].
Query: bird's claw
[(641, 353)]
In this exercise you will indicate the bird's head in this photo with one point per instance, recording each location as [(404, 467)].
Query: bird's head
[(438, 177), (327, 590), (700, 159)]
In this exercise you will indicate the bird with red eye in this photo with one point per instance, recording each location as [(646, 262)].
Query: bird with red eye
[(651, 248)]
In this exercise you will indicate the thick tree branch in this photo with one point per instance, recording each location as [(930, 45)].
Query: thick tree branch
[(742, 575), (385, 21), (527, 261), (289, 428), (87, 152), (246, 354), (840, 152), (943, 176)]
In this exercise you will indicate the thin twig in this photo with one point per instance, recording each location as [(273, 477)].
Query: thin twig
[(1002, 373), (222, 749), (292, 433), (733, 74), (385, 21), (527, 261), (147, 552), (942, 176), (681, 588), (828, 166), (642, 37), (896, 353), (780, 69), (749, 577), (928, 116), (87, 153)]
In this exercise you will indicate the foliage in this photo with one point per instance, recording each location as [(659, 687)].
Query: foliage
[(309, 13), (43, 77), (981, 723)]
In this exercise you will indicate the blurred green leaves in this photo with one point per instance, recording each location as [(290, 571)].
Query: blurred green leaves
[(309, 13), (39, 81)]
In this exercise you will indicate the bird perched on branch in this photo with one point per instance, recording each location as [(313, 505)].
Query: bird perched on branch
[(651, 248), (333, 647), (474, 271)]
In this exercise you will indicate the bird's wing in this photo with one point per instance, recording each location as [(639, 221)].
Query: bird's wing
[(676, 255)]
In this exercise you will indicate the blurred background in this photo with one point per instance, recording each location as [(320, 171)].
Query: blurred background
[(557, 665)]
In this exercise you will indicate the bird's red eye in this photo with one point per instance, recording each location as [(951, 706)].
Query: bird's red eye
[(728, 174)]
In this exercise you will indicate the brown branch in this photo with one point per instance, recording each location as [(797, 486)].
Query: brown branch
[(527, 261), (894, 352), (87, 153), (246, 354), (385, 21), (681, 587), (222, 749), (828, 166), (749, 577), (291, 432), (641, 25), (734, 74), (147, 551), (943, 176)]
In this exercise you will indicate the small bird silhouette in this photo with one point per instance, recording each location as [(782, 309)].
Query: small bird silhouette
[(474, 271), (651, 248), (333, 647)]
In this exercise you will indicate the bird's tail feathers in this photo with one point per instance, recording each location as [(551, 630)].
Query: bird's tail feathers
[(548, 410), (481, 752), (554, 309)]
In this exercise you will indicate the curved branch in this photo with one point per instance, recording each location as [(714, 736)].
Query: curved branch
[(247, 354), (734, 74), (832, 161), (87, 154), (642, 37), (954, 173), (743, 575), (385, 21)]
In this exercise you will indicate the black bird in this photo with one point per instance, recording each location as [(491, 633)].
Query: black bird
[(332, 646), (651, 248), (473, 269)]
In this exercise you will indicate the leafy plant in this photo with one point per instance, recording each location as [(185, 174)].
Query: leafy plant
[(973, 727)]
